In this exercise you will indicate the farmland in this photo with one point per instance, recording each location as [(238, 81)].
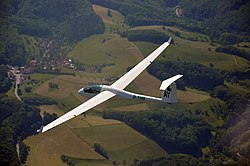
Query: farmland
[(120, 139), (114, 23), (47, 148), (114, 54)]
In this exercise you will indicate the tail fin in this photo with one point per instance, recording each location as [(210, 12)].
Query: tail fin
[(169, 94)]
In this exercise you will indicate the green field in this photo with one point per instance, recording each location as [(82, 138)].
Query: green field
[(105, 50), (195, 55), (113, 24), (191, 51), (237, 88), (121, 142), (203, 109), (34, 81), (11, 92), (47, 148), (67, 85), (244, 46)]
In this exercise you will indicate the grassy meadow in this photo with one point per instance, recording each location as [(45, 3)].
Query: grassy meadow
[(105, 50), (31, 46), (120, 141), (113, 23), (200, 51), (47, 148)]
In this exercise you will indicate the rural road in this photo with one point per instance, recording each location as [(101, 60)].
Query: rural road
[(235, 61), (18, 151), (18, 80)]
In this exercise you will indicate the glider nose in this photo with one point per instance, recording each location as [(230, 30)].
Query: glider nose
[(80, 90)]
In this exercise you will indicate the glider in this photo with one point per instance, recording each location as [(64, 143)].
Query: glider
[(103, 93)]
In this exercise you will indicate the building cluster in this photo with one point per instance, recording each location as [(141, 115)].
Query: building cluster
[(15, 74), (35, 66)]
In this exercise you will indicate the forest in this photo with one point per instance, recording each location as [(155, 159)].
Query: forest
[(18, 121), (147, 35), (38, 100), (195, 75), (233, 51), (172, 159), (5, 83), (233, 137)]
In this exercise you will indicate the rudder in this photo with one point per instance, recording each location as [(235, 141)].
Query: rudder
[(168, 86), (169, 95)]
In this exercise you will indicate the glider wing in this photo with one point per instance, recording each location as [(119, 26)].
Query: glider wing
[(94, 101)]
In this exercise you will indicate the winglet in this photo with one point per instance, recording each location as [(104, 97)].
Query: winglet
[(166, 83), (169, 40), (40, 130)]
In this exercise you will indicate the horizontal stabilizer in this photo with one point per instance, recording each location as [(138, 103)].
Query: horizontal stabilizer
[(166, 83)]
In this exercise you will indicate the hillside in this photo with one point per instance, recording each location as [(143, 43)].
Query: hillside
[(43, 19), (66, 45), (218, 20)]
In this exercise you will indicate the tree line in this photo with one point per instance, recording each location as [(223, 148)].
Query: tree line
[(99, 149), (233, 51), (172, 159), (175, 131), (147, 35), (38, 100)]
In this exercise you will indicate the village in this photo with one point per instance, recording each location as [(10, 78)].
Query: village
[(35, 66), (45, 63)]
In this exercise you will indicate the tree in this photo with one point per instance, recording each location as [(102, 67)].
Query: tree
[(124, 162), (28, 89), (24, 151), (114, 163), (100, 150), (109, 14), (5, 83), (222, 92)]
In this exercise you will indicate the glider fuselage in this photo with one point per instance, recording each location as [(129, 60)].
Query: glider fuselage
[(93, 90)]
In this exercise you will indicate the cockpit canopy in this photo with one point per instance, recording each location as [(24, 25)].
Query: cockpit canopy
[(93, 89)]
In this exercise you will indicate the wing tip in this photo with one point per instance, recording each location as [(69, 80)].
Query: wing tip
[(169, 40), (40, 130), (180, 75)]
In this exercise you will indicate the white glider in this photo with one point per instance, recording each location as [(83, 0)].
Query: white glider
[(104, 92)]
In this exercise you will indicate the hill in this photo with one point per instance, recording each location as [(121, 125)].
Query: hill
[(213, 19)]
